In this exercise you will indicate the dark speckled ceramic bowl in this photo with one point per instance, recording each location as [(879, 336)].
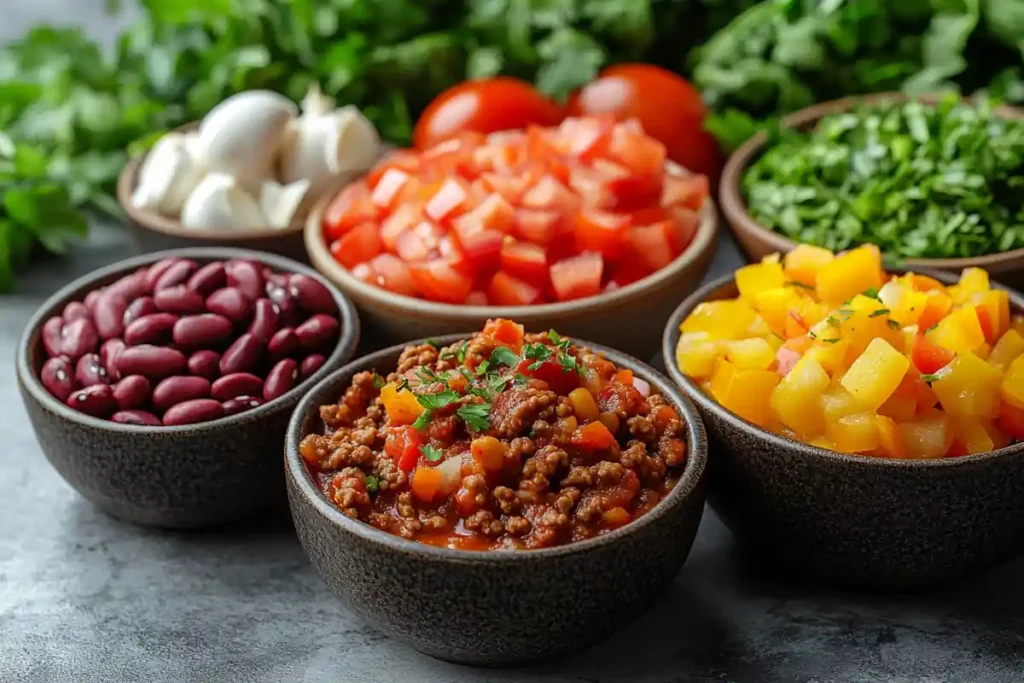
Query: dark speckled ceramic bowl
[(855, 519), (494, 608), (176, 477)]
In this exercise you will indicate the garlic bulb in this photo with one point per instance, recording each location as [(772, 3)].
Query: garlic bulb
[(280, 203), (168, 175), (219, 203)]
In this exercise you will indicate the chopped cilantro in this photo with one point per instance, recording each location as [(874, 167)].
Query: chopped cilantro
[(832, 320), (372, 483), (431, 453), (476, 415), (482, 368), (403, 384), (437, 400), (810, 333), (458, 354), (467, 374), (503, 356), (378, 381), (520, 379), (428, 376), (423, 420), (880, 311), (872, 293), (830, 341), (893, 324), (776, 334), (433, 342), (931, 377)]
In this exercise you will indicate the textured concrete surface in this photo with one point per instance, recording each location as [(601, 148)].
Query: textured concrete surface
[(86, 599)]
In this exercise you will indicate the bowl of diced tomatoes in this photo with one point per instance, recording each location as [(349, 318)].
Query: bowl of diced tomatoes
[(585, 225)]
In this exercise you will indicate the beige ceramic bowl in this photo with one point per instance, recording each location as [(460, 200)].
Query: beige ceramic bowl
[(757, 241), (629, 319)]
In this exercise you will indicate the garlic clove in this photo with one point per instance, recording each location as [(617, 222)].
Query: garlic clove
[(315, 103), (280, 203), (219, 203), (357, 145), (167, 176)]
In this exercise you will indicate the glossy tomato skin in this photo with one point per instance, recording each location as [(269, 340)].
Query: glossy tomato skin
[(485, 106), (668, 107)]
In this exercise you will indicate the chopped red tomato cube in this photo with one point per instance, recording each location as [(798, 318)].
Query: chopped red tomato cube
[(480, 246), (592, 187), (929, 357), (402, 159), (524, 260), (440, 281), (360, 244), (476, 299), (387, 188), (448, 199), (419, 242), (365, 273), (539, 227), (351, 207), (601, 231), (628, 272), (403, 444), (593, 436), (511, 188), (506, 290), (687, 223), (391, 273), (404, 218), (561, 380), (643, 155), (505, 332), (652, 245), (577, 277), (688, 193), (588, 138), (549, 193)]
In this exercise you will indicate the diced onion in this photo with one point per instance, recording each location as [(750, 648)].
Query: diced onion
[(642, 386), (451, 475)]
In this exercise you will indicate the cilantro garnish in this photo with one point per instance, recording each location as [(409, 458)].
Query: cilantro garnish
[(830, 341), (431, 453), (893, 324), (403, 384), (872, 293), (372, 483), (880, 311), (503, 356), (433, 342), (482, 368), (832, 320), (931, 377), (539, 353), (428, 376), (378, 381), (476, 415), (519, 379), (810, 333), (458, 354), (437, 400)]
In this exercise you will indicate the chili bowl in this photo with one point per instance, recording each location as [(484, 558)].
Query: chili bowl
[(855, 519), (183, 476), (626, 319), (495, 607)]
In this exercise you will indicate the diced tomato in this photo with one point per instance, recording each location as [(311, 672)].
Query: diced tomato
[(588, 138), (549, 193), (592, 187), (363, 272), (506, 332), (405, 217), (593, 436), (501, 157), (929, 358), (577, 277), (624, 377), (476, 299), (537, 226), (524, 260), (401, 159), (510, 187), (652, 245), (626, 189), (419, 242), (495, 213), (651, 215), (455, 156), (391, 273), (1011, 421), (985, 320), (559, 379), (936, 308), (785, 359), (689, 193), (439, 281), (687, 224), (544, 144), (957, 449), (360, 244), (643, 155), (601, 232), (348, 209), (387, 188), (506, 290), (403, 444), (451, 197), (480, 246), (628, 272)]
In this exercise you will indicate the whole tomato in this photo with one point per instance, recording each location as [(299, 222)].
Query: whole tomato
[(669, 108), (484, 106)]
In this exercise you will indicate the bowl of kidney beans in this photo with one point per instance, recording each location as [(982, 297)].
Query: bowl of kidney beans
[(160, 387)]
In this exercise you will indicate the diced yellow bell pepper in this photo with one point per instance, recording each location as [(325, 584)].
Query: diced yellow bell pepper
[(1012, 385), (973, 281), (927, 438), (890, 439), (758, 277), (744, 392), (775, 304), (959, 331), (837, 403), (905, 304), (804, 262), (751, 354), (830, 355), (400, 404), (697, 352), (997, 303), (856, 433), (795, 399), (1017, 323), (1006, 350), (851, 273), (874, 376), (862, 326), (973, 435), (969, 387), (983, 351), (725, 319), (822, 442)]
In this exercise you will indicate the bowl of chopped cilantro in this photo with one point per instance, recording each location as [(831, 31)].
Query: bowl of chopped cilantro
[(934, 182)]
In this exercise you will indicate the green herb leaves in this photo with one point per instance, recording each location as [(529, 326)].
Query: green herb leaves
[(431, 453), (503, 356), (476, 415)]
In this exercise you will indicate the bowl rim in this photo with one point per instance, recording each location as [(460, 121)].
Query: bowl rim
[(726, 286), (343, 350), (688, 484), (316, 246), (737, 214)]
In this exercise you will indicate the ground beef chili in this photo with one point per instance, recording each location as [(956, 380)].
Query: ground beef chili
[(504, 441)]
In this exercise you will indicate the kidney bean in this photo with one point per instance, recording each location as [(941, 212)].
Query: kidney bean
[(176, 274), (109, 314), (311, 364), (284, 343), (204, 364), (196, 331), (241, 356), (179, 389), (190, 412), (53, 335), (136, 417), (236, 384), (264, 320), (179, 299), (153, 362), (208, 279), (75, 310), (231, 303), (240, 404), (144, 305), (91, 298), (57, 376), (78, 338), (130, 286), (109, 352), (97, 400), (157, 270), (89, 370), (274, 279), (132, 392), (311, 294), (281, 379), (317, 332), (155, 328), (246, 276)]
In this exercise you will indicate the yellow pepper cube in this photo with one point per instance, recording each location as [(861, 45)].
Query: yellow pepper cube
[(751, 354), (996, 303), (876, 373), (973, 281), (960, 331), (804, 262), (927, 438), (400, 404), (1017, 323), (890, 440), (795, 400), (974, 436), (969, 387), (838, 403), (831, 355), (726, 319), (744, 392), (856, 433), (862, 326), (1012, 385), (1006, 350), (850, 274), (775, 304), (758, 277), (696, 354)]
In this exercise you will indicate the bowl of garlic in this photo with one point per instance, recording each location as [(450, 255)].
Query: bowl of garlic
[(247, 174)]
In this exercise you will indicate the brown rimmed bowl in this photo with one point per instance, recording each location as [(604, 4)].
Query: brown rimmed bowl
[(757, 241), (852, 519), (627, 319), (494, 608), (175, 477)]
